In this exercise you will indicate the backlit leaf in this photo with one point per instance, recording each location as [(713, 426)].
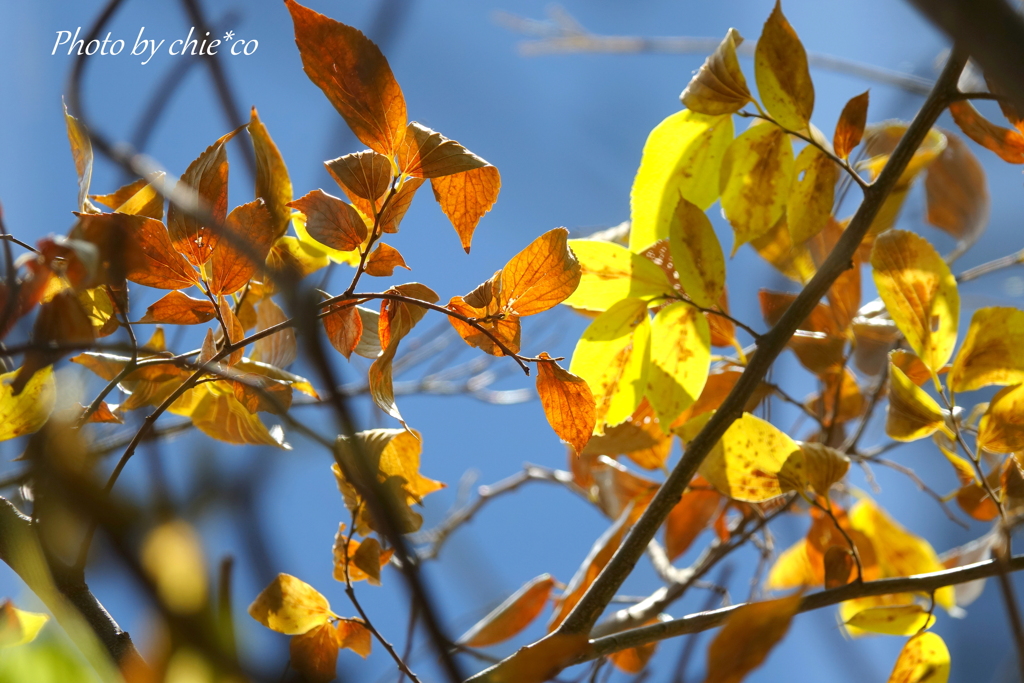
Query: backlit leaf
[(353, 635), (690, 516), (354, 76), (1002, 427), (540, 276), (957, 193), (992, 352), (612, 357), (511, 616), (330, 221), (912, 413), (279, 349), (383, 260), (18, 627), (137, 198), (696, 254), (366, 175), (428, 154), (567, 402), (617, 488), (610, 273), (780, 69), (314, 654), (639, 438), (81, 152), (924, 659), (679, 362), (746, 462), (899, 620), (137, 248), (840, 567), (344, 328), (814, 466), (61, 321), (748, 636), (810, 199), (179, 309), (1008, 144), (719, 87), (216, 412), (540, 661), (273, 185), (919, 292), (850, 128), (777, 248), (243, 249), (290, 606), (755, 180), (365, 559), (682, 155), (465, 197), (29, 410)]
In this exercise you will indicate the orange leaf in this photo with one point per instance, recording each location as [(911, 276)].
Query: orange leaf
[(850, 128), (957, 194), (242, 252), (235, 331), (273, 185), (365, 559), (104, 414), (314, 654), (152, 207), (208, 177), (61, 320), (383, 261), (330, 221), (690, 516), (136, 248), (511, 616), (179, 309), (354, 76), (633, 660), (541, 661), (640, 438), (353, 635), (344, 327), (428, 154), (567, 401), (618, 489), (278, 349), (483, 305), (366, 175), (747, 637), (397, 319), (839, 566), (465, 197), (540, 276), (1006, 143)]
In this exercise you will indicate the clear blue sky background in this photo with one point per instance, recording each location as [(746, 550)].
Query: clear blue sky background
[(566, 133)]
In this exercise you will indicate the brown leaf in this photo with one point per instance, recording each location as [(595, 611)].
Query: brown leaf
[(383, 260), (354, 76), (719, 87), (280, 348), (330, 221), (136, 248), (394, 212), (747, 637), (640, 438), (465, 197), (1006, 143), (690, 516), (780, 69), (208, 177), (512, 615), (567, 401), (840, 567), (850, 128), (482, 304), (314, 654), (428, 154), (957, 193), (397, 319), (273, 185), (344, 327), (61, 320), (179, 309), (366, 175), (243, 250)]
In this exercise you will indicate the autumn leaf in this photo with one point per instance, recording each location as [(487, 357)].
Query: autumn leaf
[(273, 185), (243, 249), (924, 659), (613, 357), (60, 321), (1006, 143), (365, 175), (912, 414), (344, 328), (690, 516), (428, 154), (992, 352), (364, 559), (957, 194), (81, 152), (567, 401), (1002, 426), (290, 606), (696, 254), (757, 171), (679, 362), (512, 615), (18, 627), (780, 69), (815, 466), (778, 248), (383, 260), (540, 276), (682, 155), (610, 272), (138, 198), (810, 199), (353, 635), (540, 661), (898, 620), (330, 221), (919, 292), (179, 309), (465, 197), (719, 86), (28, 410), (640, 438), (314, 654), (616, 488), (840, 566), (354, 75), (280, 348), (850, 127), (216, 411), (748, 636)]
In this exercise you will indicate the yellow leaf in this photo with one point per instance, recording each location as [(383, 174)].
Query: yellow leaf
[(919, 292), (719, 87), (746, 461), (992, 352), (810, 199), (511, 616), (610, 273), (217, 412), (29, 410), (899, 620), (172, 556), (1002, 426), (279, 349), (81, 151), (777, 248), (18, 627), (680, 360), (780, 69), (793, 569), (912, 413), (696, 254), (568, 403), (924, 659), (305, 253), (850, 128), (747, 637), (755, 180), (682, 155), (290, 606), (814, 466), (612, 357)]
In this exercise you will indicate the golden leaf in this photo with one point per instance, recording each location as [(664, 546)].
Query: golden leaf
[(353, 635), (810, 199), (898, 620), (344, 328), (679, 362), (540, 276), (465, 197), (273, 185), (719, 87), (27, 411), (690, 516), (567, 402), (912, 413), (840, 566), (1002, 426), (120, 197), (746, 461), (780, 69), (850, 127), (217, 412), (18, 627), (512, 615), (365, 559), (610, 273), (290, 606), (747, 637), (81, 151), (640, 438), (696, 254), (172, 556), (992, 352), (383, 260), (777, 248), (814, 466), (924, 659)]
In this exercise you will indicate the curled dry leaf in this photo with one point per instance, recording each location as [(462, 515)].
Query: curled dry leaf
[(383, 260), (331, 221), (850, 128), (567, 401), (719, 86), (354, 75), (180, 309), (992, 352), (465, 197), (919, 292), (780, 69), (273, 185), (757, 171), (748, 636), (290, 606), (428, 154), (682, 155), (814, 466), (512, 615)]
